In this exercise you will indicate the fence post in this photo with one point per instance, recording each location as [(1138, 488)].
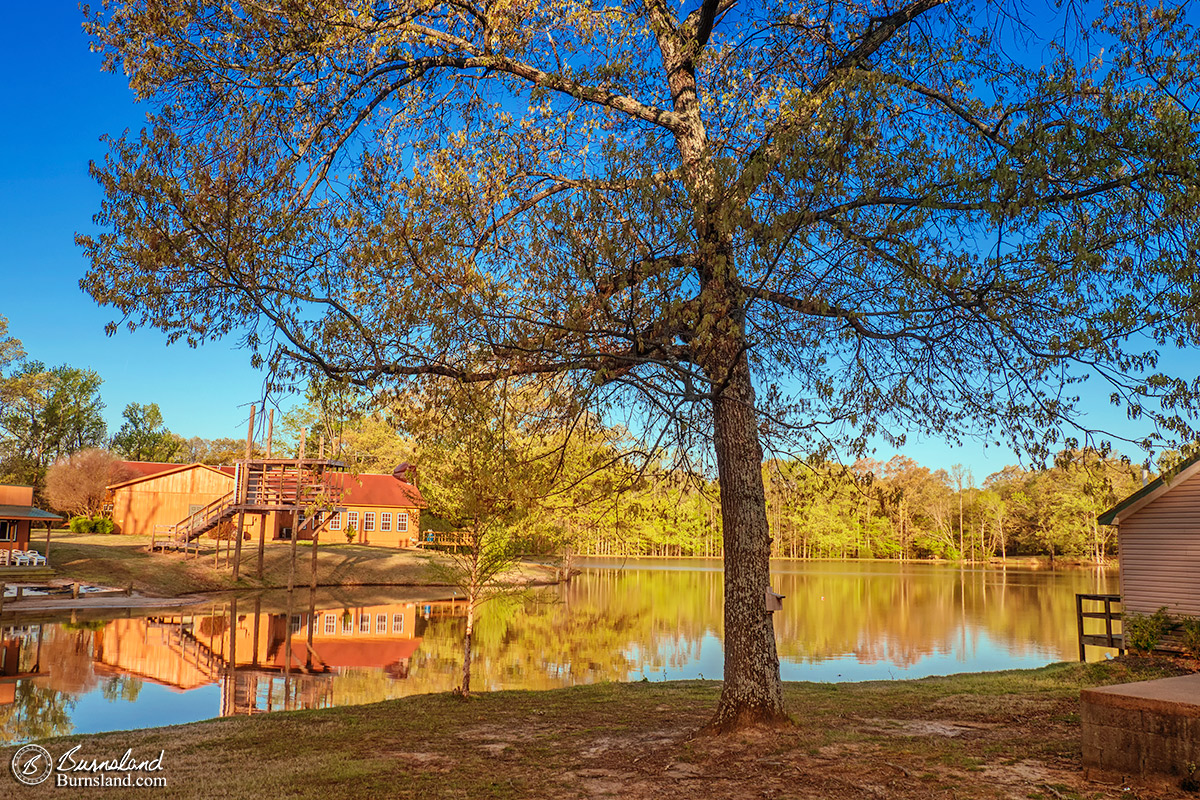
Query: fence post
[(1079, 622)]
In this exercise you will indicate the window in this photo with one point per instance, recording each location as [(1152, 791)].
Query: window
[(335, 522), (369, 521), (295, 623), (330, 623), (385, 521), (402, 522), (8, 530), (352, 520), (381, 623), (397, 623), (347, 623), (364, 623)]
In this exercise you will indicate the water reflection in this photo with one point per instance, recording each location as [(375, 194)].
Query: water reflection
[(841, 621)]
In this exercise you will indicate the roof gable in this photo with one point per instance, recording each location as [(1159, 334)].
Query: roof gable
[(1151, 492), (149, 470)]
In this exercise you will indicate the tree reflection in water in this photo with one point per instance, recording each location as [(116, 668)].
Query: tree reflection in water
[(648, 618)]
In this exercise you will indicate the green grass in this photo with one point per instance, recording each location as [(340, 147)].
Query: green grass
[(121, 561), (639, 741)]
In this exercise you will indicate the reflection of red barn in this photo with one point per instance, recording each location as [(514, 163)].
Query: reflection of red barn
[(392, 656)]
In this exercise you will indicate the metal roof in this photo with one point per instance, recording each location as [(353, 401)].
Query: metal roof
[(25, 512)]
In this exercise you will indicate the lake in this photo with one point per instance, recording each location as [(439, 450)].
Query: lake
[(617, 621)]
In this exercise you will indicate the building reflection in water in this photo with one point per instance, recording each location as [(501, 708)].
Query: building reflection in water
[(263, 660), (20, 658)]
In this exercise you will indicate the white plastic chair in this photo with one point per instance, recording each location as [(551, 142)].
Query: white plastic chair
[(19, 558), (4, 557)]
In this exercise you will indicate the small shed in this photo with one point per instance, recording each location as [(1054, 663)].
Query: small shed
[(1158, 540), (17, 516)]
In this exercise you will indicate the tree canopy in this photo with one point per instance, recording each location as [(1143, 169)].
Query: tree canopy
[(827, 221), (143, 436)]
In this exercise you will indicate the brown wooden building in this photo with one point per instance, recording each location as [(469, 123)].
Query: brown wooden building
[(381, 509), (17, 516), (1158, 538)]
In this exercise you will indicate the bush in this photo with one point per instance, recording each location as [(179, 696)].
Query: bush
[(1191, 636), (91, 525), (1143, 632)]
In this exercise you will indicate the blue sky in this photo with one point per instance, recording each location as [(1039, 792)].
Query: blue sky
[(57, 104)]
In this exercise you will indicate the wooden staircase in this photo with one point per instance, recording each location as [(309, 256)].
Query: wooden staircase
[(264, 485)]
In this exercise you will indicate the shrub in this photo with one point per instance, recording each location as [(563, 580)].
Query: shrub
[(350, 534), (1191, 636), (91, 525), (1143, 632)]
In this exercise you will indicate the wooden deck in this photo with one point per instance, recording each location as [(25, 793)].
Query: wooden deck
[(262, 486)]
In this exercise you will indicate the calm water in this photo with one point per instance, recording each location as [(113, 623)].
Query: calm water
[(661, 620)]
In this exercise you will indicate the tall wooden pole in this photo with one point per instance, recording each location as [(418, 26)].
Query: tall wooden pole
[(296, 509), (241, 493), (262, 518)]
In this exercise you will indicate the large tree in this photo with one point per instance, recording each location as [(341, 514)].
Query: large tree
[(49, 413), (143, 435), (827, 220)]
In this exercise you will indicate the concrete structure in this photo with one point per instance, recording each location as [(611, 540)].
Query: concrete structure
[(1158, 539), (1146, 728)]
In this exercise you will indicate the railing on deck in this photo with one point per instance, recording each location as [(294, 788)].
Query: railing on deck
[(1106, 639)]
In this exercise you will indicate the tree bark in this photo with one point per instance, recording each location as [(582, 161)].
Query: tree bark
[(752, 694), (466, 673)]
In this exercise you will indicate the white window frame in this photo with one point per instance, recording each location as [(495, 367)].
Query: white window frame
[(352, 520), (335, 522), (364, 622), (385, 520), (397, 623), (402, 522), (381, 623), (368, 521), (347, 623), (8, 530), (330, 624)]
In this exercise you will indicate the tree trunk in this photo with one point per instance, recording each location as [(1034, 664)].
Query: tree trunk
[(466, 673), (752, 693)]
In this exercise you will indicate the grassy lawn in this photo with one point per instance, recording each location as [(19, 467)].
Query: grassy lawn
[(988, 735), (119, 560)]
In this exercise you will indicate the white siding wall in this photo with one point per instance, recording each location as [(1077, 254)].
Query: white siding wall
[(1160, 553)]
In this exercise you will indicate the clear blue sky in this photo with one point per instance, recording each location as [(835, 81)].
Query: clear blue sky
[(57, 103)]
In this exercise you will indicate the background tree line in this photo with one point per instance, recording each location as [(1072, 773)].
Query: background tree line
[(896, 509)]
